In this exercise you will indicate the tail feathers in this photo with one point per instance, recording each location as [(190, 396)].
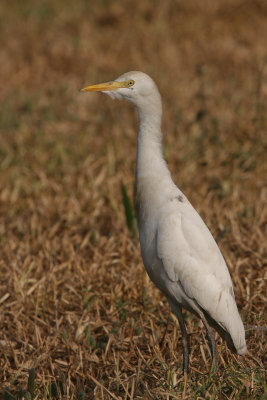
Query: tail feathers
[(238, 335), (227, 322), (232, 323), (242, 349)]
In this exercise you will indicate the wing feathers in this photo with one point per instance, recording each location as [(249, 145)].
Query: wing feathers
[(191, 257)]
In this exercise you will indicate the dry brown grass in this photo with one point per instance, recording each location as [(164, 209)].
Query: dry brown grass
[(74, 296)]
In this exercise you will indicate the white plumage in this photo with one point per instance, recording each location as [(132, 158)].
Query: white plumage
[(179, 253)]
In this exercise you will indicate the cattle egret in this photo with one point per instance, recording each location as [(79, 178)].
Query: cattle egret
[(179, 253)]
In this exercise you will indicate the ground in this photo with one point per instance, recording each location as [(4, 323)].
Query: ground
[(78, 314)]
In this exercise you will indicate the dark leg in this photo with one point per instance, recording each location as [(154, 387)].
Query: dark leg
[(185, 340), (211, 337)]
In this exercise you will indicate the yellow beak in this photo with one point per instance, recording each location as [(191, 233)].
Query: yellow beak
[(106, 87)]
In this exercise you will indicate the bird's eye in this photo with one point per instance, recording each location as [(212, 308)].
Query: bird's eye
[(130, 83)]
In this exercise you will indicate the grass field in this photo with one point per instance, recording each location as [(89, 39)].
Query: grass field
[(75, 301)]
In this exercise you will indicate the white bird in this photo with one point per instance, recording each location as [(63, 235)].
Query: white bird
[(179, 253)]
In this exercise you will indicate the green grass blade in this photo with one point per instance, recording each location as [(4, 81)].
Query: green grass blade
[(31, 380), (127, 207)]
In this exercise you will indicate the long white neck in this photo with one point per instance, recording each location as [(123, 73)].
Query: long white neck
[(149, 157), (152, 174)]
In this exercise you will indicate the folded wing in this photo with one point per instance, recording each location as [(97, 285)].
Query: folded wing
[(191, 257)]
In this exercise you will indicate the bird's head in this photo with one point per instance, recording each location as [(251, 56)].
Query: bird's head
[(134, 86)]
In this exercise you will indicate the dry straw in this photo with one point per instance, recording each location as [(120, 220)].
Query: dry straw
[(75, 302)]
